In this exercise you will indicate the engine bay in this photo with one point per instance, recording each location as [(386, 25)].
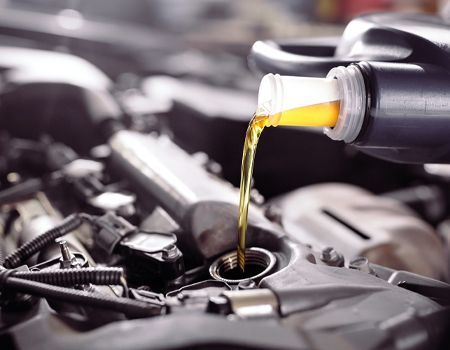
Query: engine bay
[(119, 213)]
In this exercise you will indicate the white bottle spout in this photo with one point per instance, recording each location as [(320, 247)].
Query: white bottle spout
[(278, 94)]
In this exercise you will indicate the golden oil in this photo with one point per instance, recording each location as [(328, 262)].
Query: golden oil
[(323, 114), (252, 135)]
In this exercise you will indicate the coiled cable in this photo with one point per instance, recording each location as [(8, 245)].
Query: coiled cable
[(129, 307), (30, 248), (75, 276), (49, 284)]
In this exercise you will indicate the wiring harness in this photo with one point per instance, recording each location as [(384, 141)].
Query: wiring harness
[(53, 284)]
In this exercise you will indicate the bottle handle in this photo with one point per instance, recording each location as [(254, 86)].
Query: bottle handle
[(301, 57)]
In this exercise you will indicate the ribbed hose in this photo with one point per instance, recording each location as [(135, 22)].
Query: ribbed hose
[(30, 248), (129, 307), (71, 277)]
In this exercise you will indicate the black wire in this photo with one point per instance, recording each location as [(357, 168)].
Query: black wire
[(30, 248), (129, 307), (14, 280), (75, 276)]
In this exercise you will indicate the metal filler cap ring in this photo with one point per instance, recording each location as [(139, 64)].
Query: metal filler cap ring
[(259, 263)]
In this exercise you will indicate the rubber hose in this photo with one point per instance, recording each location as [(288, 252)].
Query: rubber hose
[(21, 190), (30, 248), (71, 277), (129, 307)]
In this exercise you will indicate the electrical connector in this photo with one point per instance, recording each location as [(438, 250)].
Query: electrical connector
[(111, 230)]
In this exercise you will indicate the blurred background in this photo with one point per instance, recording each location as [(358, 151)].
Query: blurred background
[(182, 65), (225, 26)]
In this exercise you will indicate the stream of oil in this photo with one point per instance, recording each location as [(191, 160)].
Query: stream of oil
[(323, 114)]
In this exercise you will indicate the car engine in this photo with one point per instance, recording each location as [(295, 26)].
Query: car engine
[(119, 211)]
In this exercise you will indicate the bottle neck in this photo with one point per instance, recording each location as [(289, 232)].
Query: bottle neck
[(353, 103), (298, 101)]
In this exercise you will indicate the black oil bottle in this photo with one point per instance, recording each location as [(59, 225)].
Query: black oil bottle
[(394, 91)]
